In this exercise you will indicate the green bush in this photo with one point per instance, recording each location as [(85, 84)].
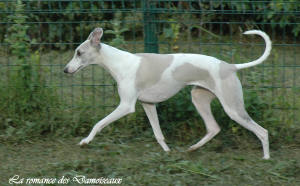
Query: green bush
[(25, 101), (70, 21)]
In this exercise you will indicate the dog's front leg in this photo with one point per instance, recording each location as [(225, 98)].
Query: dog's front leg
[(127, 105), (122, 110), (150, 110), (128, 99)]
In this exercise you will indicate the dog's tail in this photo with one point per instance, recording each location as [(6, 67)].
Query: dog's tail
[(264, 56)]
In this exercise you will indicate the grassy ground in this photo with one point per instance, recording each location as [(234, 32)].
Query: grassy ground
[(141, 161)]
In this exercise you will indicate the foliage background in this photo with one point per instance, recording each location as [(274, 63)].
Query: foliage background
[(37, 39), (45, 113)]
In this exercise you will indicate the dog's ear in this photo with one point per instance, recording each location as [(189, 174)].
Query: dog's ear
[(95, 37)]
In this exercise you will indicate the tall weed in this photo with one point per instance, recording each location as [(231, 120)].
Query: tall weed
[(25, 100)]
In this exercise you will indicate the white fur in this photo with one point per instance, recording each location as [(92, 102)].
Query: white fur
[(266, 53)]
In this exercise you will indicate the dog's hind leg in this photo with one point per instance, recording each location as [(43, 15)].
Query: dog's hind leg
[(202, 98), (151, 113), (231, 98)]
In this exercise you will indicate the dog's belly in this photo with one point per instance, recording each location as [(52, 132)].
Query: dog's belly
[(160, 91)]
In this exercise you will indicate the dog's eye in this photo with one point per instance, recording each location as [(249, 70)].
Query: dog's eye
[(79, 53)]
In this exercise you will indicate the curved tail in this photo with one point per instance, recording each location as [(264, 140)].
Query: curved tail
[(264, 56)]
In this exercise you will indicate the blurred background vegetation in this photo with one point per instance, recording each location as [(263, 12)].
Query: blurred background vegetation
[(39, 102), (38, 37)]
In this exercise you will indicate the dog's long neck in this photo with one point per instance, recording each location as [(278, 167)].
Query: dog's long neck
[(116, 61)]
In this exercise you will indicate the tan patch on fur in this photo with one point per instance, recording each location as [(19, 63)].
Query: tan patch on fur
[(188, 73), (232, 94), (226, 69), (151, 69)]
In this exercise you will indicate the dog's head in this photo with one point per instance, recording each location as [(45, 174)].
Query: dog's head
[(87, 53)]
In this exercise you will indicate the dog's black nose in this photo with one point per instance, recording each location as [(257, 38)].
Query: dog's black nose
[(66, 70)]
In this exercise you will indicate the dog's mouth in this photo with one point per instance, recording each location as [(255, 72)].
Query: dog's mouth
[(79, 68)]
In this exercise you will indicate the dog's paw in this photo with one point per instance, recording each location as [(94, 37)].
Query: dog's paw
[(166, 149), (84, 141)]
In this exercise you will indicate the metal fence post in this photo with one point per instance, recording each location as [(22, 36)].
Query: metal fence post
[(150, 38)]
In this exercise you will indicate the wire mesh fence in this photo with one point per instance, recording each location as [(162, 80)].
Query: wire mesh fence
[(208, 27)]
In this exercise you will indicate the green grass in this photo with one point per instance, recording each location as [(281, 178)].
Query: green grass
[(141, 161)]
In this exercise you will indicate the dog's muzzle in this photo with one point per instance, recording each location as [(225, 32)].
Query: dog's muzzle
[(66, 70), (71, 71)]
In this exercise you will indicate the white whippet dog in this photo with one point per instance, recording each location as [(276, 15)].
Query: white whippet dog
[(153, 78)]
